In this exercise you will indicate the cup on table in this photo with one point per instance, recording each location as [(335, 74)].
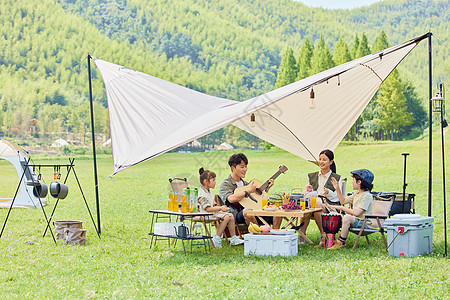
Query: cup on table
[(302, 204), (264, 202), (313, 202)]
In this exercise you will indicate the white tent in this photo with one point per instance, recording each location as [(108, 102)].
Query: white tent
[(150, 116), (18, 158), (60, 143), (225, 146), (107, 143)]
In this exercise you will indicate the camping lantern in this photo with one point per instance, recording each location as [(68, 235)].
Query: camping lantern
[(311, 96), (438, 102), (252, 120)]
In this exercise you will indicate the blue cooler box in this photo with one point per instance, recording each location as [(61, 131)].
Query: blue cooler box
[(271, 244), (409, 234)]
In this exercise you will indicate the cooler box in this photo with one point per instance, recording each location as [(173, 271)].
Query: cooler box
[(166, 228), (415, 234), (269, 244)]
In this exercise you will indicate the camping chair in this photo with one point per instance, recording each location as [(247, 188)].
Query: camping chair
[(380, 212), (239, 228)]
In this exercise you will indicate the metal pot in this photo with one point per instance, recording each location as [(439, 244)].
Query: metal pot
[(59, 190), (40, 190)]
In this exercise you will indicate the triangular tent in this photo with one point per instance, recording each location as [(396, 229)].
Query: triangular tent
[(225, 146), (18, 158), (60, 143), (150, 116)]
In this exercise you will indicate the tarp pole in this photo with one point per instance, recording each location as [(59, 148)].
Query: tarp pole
[(443, 173), (93, 145), (430, 112)]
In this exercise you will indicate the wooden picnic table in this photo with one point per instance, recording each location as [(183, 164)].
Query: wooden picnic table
[(289, 215)]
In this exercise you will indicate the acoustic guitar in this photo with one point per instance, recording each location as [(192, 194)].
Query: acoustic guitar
[(254, 200)]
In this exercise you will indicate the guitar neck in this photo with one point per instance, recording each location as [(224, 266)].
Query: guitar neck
[(266, 184)]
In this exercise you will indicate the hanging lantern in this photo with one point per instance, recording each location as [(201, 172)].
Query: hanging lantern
[(312, 105), (252, 120), (438, 102)]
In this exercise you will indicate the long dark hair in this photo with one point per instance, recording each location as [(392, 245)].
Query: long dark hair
[(330, 156), (206, 174)]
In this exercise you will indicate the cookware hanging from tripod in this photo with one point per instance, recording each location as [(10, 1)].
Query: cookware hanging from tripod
[(58, 190)]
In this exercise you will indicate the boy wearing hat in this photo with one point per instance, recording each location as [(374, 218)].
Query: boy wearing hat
[(362, 201)]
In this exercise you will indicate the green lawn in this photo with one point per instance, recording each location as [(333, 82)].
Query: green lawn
[(121, 265)]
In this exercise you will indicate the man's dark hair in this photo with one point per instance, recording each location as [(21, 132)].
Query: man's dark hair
[(364, 185), (236, 159)]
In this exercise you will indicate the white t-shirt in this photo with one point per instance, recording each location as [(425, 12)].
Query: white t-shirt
[(240, 183)]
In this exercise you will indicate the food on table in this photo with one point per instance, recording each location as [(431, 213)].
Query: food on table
[(270, 207), (286, 198), (291, 205), (265, 228), (276, 199), (254, 228)]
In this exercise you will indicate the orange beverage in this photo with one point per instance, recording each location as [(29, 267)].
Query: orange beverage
[(175, 202), (264, 201), (170, 206), (313, 202), (302, 204), (183, 204)]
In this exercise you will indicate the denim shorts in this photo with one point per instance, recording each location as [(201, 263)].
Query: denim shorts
[(358, 224)]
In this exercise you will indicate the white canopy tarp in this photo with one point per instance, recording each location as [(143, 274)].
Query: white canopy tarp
[(150, 116)]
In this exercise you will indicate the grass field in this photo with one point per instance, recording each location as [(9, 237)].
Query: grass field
[(121, 265)]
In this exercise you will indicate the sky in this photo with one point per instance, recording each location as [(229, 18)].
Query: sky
[(333, 4)]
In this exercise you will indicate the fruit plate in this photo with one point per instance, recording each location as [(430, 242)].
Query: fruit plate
[(282, 231), (270, 209)]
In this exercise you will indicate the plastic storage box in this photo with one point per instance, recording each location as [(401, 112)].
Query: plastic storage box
[(268, 244), (166, 228), (410, 235)]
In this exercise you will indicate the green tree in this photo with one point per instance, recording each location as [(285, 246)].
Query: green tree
[(304, 60), (288, 70), (381, 42), (363, 48), (417, 111), (341, 53), (321, 59), (393, 113), (355, 46)]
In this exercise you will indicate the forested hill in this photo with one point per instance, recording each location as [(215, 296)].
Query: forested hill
[(225, 48)]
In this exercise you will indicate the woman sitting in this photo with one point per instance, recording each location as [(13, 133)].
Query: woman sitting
[(319, 185)]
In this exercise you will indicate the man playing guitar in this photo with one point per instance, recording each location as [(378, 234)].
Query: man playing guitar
[(238, 164)]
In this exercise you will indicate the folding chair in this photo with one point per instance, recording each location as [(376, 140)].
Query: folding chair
[(380, 212), (239, 228)]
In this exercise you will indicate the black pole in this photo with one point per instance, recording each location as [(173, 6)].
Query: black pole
[(404, 182), (93, 146), (443, 172), (429, 121)]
